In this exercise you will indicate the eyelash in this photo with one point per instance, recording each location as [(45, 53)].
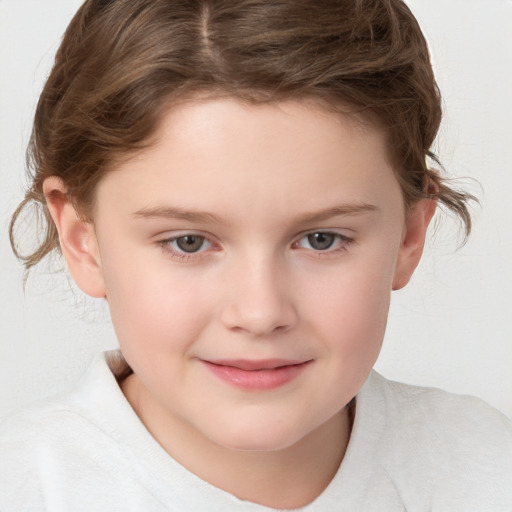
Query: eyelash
[(342, 242)]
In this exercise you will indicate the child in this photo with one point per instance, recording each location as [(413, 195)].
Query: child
[(245, 183)]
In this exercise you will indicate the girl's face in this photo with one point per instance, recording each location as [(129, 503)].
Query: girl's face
[(248, 258)]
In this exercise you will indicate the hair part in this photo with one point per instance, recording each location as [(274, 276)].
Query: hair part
[(121, 64)]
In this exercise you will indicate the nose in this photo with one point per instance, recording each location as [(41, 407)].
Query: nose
[(259, 302)]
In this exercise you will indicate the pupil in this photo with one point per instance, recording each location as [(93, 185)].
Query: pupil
[(189, 243), (321, 241)]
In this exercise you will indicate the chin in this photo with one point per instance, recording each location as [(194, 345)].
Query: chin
[(264, 439), (259, 445)]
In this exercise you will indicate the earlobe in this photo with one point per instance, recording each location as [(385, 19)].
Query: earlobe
[(413, 241), (77, 239)]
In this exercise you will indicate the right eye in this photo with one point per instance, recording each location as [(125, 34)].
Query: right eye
[(189, 243), (186, 245)]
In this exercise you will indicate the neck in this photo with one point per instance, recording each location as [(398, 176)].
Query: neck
[(290, 478), (283, 479)]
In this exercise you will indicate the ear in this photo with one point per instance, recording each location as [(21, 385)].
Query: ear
[(77, 239), (413, 240)]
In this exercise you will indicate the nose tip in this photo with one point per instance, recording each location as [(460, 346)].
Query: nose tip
[(256, 321), (259, 308)]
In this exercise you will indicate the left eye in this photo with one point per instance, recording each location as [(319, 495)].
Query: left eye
[(320, 241), (189, 243)]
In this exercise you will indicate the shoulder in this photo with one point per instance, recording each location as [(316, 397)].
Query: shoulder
[(454, 447), (42, 423), (31, 452), (448, 417), (61, 443), (69, 412)]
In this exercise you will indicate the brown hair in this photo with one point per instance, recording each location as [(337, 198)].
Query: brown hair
[(122, 61)]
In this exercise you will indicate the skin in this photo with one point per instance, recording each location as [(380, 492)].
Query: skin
[(254, 181)]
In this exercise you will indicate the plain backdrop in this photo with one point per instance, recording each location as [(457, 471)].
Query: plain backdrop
[(450, 328)]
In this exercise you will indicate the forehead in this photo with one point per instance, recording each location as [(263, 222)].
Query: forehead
[(288, 156)]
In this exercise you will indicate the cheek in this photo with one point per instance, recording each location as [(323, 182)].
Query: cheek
[(355, 316), (358, 288), (355, 323), (153, 307), (350, 306)]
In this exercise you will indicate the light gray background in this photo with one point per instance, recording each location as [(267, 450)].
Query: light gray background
[(451, 327)]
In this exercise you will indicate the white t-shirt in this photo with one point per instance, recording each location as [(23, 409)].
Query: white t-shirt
[(411, 449)]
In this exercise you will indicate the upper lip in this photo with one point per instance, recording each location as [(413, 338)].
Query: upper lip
[(254, 365)]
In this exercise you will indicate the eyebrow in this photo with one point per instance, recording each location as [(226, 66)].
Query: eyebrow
[(168, 212), (177, 213), (344, 210)]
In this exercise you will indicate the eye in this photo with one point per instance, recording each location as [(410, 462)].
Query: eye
[(322, 241), (187, 244), (190, 243)]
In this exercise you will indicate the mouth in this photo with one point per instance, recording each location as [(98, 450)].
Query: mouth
[(257, 375)]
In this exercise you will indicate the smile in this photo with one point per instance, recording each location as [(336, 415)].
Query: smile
[(257, 375)]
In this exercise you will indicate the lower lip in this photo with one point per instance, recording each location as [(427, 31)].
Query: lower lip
[(257, 380)]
